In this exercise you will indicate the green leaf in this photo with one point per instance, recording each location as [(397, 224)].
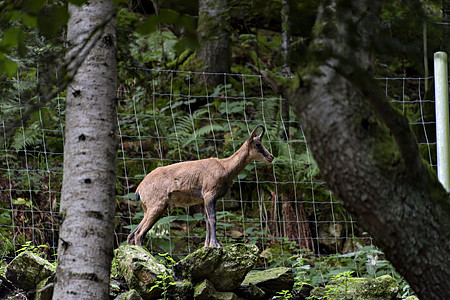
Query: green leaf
[(131, 196), (10, 38), (50, 21), (29, 21), (149, 25), (8, 66), (168, 16), (33, 6)]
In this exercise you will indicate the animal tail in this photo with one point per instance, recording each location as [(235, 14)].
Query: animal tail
[(138, 197)]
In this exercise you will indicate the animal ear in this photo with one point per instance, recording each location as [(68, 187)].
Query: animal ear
[(253, 134)]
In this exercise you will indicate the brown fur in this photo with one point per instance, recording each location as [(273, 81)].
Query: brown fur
[(194, 182)]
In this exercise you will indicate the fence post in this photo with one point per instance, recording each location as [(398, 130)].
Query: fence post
[(442, 119)]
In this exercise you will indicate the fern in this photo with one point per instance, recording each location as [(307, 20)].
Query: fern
[(25, 138)]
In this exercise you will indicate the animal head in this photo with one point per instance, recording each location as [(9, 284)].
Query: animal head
[(256, 149)]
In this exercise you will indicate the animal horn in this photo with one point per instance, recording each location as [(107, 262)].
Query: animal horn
[(263, 131)]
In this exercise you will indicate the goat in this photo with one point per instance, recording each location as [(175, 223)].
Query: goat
[(195, 182)]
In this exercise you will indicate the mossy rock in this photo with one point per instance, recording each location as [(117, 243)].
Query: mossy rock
[(182, 290), (225, 267), (381, 288), (130, 295), (224, 296), (276, 279), (27, 270), (139, 269), (44, 289), (250, 291), (204, 290), (303, 289)]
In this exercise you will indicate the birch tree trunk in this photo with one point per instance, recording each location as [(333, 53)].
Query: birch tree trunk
[(88, 195), (366, 151), (214, 39)]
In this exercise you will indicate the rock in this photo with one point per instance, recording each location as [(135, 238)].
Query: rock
[(28, 269), (303, 290), (411, 298), (139, 269), (116, 287), (44, 289), (250, 291), (182, 290), (276, 279), (224, 267), (224, 296), (331, 235), (130, 295), (204, 290), (380, 288)]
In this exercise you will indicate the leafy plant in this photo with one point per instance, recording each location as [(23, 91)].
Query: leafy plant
[(165, 281), (28, 246), (284, 294), (367, 262), (334, 292)]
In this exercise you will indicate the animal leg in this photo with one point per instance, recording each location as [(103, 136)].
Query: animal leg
[(208, 238), (130, 239), (211, 238), (151, 216)]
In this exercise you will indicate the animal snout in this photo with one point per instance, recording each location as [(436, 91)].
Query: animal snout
[(270, 158)]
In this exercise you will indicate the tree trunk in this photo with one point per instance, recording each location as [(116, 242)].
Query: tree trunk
[(285, 36), (366, 151), (86, 236), (214, 39), (446, 27)]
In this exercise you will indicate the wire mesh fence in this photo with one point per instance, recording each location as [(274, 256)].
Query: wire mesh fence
[(172, 116)]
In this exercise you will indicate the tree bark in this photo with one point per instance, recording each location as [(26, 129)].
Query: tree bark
[(366, 151), (285, 36), (86, 236), (214, 39)]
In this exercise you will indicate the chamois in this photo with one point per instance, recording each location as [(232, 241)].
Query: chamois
[(194, 182)]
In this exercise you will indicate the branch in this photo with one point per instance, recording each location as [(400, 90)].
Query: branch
[(397, 123), (69, 67)]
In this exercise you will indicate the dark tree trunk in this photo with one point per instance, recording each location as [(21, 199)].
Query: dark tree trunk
[(285, 36), (446, 28), (365, 149), (214, 39)]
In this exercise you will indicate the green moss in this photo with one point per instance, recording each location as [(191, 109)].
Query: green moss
[(280, 278), (215, 263), (28, 269), (138, 267), (383, 287), (384, 148), (412, 298)]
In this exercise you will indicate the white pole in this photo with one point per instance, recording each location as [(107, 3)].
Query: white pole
[(442, 120)]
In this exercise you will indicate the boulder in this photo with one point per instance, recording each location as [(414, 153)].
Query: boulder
[(204, 290), (250, 291), (224, 267), (224, 296), (181, 290), (139, 269), (381, 288), (44, 289), (27, 270), (276, 279), (130, 295), (303, 289)]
